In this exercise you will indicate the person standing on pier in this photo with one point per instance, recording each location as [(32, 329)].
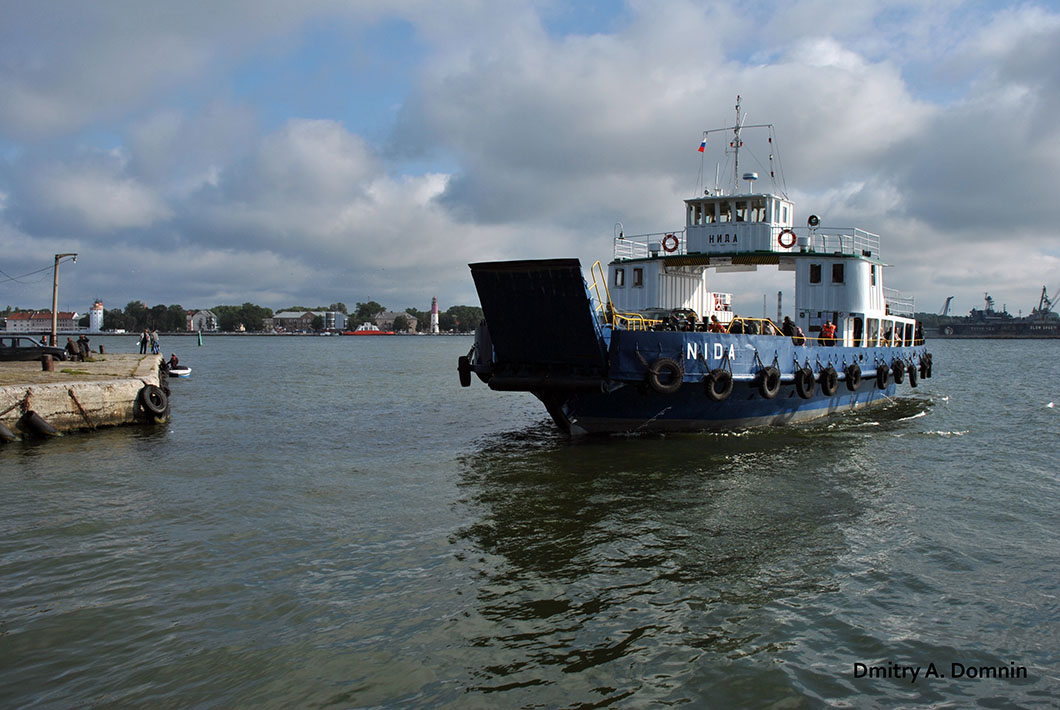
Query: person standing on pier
[(143, 342)]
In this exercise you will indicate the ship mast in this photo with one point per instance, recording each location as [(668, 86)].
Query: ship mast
[(734, 147)]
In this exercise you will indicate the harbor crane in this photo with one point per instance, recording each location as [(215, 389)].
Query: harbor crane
[(946, 307)]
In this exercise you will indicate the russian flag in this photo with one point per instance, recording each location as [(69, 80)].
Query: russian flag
[(703, 145)]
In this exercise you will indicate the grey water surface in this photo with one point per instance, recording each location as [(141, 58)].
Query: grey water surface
[(335, 523)]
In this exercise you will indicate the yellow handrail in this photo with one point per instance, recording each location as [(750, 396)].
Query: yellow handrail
[(631, 321)]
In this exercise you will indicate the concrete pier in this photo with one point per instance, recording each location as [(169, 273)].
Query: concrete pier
[(78, 395)]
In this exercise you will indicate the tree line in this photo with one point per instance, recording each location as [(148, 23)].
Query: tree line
[(136, 316)]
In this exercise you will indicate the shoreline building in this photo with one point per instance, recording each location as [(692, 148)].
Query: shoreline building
[(41, 322), (202, 321), (95, 317), (434, 315), (385, 320)]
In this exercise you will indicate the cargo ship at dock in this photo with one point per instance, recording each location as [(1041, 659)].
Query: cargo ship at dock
[(988, 322)]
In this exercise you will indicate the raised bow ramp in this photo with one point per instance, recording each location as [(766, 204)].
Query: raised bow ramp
[(541, 325)]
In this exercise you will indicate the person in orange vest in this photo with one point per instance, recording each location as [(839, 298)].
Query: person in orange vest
[(828, 333)]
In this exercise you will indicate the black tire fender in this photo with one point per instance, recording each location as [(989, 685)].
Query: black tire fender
[(665, 375), (805, 384), (883, 374), (769, 382), (718, 384), (829, 381), (463, 367), (912, 376), (853, 373), (898, 372), (154, 400), (35, 425)]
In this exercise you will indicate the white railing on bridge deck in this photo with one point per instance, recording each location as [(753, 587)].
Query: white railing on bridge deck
[(842, 240), (639, 246), (898, 303)]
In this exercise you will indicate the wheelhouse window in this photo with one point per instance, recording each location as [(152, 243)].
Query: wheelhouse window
[(837, 273), (815, 273), (758, 209), (638, 277), (620, 278), (872, 271), (725, 212)]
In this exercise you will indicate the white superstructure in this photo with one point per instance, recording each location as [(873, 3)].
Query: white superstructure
[(838, 272)]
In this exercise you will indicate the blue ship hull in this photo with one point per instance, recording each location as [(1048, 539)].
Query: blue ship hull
[(593, 378), (628, 403)]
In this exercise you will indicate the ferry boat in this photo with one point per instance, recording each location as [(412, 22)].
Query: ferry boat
[(637, 350), (367, 329)]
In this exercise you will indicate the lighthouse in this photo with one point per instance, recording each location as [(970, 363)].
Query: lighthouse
[(95, 317), (434, 315)]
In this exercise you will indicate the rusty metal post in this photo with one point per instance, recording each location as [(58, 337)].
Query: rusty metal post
[(47, 364)]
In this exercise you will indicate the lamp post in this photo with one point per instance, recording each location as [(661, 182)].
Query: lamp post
[(55, 292)]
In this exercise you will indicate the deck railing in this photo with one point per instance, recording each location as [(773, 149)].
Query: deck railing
[(842, 240), (898, 303), (824, 240), (639, 246)]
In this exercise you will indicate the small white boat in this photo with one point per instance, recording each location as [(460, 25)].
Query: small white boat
[(182, 371)]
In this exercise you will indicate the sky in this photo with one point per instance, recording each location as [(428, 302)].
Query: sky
[(304, 153)]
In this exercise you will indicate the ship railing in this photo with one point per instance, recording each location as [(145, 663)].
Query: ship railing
[(600, 295), (898, 303), (843, 240), (642, 246)]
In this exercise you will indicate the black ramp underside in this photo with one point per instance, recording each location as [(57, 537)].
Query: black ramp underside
[(539, 315)]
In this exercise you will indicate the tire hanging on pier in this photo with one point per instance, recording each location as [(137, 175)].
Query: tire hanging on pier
[(853, 373), (805, 385), (718, 384), (829, 381), (154, 400), (665, 375), (33, 423), (6, 434), (769, 382)]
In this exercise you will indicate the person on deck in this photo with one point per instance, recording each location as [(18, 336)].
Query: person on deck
[(715, 325), (174, 361), (828, 333)]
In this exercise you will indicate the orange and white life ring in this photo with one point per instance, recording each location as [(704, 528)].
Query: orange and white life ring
[(668, 245), (783, 241)]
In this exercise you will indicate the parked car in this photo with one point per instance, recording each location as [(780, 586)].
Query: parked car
[(22, 347)]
